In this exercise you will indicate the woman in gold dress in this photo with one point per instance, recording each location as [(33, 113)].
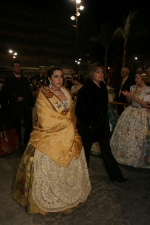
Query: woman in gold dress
[(53, 175)]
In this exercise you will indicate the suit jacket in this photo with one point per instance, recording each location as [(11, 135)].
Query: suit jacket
[(14, 88), (91, 111), (125, 87)]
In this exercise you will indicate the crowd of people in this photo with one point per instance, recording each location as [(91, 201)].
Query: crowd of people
[(64, 119)]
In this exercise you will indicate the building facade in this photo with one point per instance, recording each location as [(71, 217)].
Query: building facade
[(39, 38)]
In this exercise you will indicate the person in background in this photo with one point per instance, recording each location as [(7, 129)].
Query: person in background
[(69, 79), (92, 112), (9, 141), (73, 71), (95, 150), (33, 85), (18, 93), (148, 76), (148, 72), (53, 174), (125, 84), (130, 142), (77, 81), (1, 83)]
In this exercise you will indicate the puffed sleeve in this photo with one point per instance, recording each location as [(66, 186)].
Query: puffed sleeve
[(147, 98), (133, 87)]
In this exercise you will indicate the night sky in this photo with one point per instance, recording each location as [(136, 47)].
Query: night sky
[(99, 11), (103, 10), (95, 11)]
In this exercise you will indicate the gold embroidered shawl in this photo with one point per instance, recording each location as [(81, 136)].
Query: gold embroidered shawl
[(55, 133)]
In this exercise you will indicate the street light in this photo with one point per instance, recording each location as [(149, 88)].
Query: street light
[(78, 8), (78, 61), (14, 54), (72, 17), (81, 7), (10, 51), (136, 64)]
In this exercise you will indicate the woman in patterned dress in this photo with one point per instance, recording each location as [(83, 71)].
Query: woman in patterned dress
[(130, 142), (53, 175)]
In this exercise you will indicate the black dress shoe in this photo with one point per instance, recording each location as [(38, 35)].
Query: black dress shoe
[(124, 180), (120, 181)]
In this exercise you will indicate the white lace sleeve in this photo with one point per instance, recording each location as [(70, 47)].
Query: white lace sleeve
[(147, 98), (133, 87)]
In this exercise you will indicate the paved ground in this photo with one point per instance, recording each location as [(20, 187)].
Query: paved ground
[(109, 203)]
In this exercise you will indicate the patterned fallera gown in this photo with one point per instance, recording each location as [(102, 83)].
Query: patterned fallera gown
[(53, 174), (130, 142)]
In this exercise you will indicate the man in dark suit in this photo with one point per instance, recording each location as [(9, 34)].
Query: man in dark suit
[(125, 84), (19, 96)]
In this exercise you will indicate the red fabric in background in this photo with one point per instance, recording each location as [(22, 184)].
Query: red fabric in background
[(9, 141)]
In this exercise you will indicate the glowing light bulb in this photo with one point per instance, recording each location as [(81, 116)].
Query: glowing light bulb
[(72, 17), (78, 1), (81, 7)]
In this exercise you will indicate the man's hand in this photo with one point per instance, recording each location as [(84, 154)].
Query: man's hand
[(125, 93), (19, 99)]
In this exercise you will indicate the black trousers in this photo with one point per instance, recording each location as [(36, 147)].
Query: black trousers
[(28, 128), (111, 165), (120, 109)]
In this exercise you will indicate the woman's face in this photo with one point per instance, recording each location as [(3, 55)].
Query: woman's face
[(98, 75), (56, 79), (138, 80)]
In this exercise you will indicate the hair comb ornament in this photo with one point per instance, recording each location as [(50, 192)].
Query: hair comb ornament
[(143, 75)]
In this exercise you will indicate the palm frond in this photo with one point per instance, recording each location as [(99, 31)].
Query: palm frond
[(104, 34), (127, 25), (95, 39), (118, 31)]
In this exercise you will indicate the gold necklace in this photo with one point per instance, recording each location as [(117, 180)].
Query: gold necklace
[(138, 88)]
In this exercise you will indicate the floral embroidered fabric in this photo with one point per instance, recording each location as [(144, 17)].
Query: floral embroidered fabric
[(130, 142)]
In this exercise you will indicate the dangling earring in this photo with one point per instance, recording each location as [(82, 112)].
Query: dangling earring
[(50, 84)]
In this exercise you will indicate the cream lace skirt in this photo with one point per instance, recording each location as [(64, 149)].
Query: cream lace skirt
[(44, 186)]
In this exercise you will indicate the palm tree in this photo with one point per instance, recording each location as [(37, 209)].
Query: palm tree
[(104, 37), (125, 32)]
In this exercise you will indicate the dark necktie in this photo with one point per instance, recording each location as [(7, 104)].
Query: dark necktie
[(18, 77)]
